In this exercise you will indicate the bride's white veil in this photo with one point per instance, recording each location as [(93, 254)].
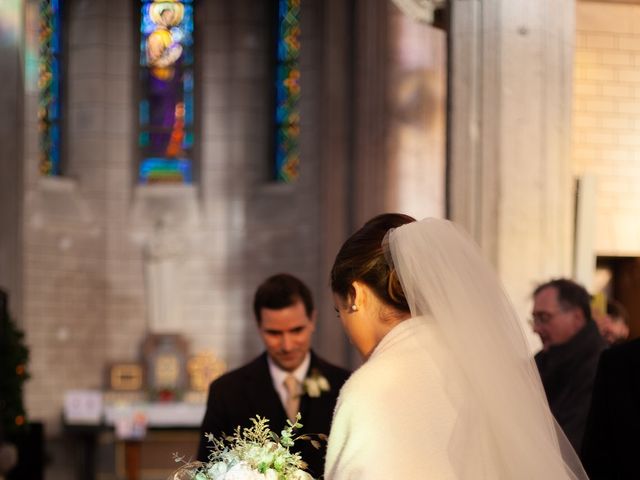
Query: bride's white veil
[(504, 426)]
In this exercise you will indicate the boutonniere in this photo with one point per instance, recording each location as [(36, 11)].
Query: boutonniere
[(316, 383)]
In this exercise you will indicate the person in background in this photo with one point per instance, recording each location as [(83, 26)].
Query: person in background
[(571, 347), (610, 447), (614, 324)]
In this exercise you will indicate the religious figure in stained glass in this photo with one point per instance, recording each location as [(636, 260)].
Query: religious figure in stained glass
[(166, 111), (163, 45)]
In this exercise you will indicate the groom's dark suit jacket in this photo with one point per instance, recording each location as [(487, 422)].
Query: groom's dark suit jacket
[(241, 394), (612, 437)]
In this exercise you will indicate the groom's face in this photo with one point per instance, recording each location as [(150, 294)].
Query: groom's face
[(286, 334)]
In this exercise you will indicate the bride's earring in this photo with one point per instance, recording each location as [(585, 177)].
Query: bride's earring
[(354, 308)]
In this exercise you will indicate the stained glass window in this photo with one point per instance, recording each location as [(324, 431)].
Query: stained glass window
[(166, 110), (287, 116), (49, 81)]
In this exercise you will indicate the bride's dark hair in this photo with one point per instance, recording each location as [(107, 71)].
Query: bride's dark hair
[(362, 258)]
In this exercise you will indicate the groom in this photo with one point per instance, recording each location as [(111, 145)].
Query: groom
[(288, 377)]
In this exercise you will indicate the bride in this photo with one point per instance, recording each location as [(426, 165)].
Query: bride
[(448, 389)]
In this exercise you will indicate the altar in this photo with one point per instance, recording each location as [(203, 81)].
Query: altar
[(146, 412), (135, 441)]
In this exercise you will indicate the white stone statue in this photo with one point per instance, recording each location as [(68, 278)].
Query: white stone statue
[(420, 10), (164, 255), (165, 221)]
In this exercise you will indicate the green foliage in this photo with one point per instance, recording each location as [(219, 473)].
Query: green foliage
[(252, 453), (14, 356)]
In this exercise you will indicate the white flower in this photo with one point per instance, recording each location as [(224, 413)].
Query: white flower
[(301, 475), (242, 471), (217, 471), (323, 383), (271, 474), (312, 388), (315, 384)]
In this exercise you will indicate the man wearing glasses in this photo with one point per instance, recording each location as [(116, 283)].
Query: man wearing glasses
[(571, 347)]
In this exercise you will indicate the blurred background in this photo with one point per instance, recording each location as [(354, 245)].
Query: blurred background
[(159, 159)]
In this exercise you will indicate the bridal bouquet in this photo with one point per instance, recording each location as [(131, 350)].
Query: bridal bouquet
[(254, 453)]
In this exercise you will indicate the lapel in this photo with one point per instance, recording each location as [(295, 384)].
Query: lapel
[(309, 405), (260, 394)]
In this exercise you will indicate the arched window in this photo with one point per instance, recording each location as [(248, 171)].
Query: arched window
[(166, 110), (49, 82), (287, 92)]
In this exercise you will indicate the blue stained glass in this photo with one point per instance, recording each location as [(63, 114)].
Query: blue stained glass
[(161, 170), (144, 112), (283, 115), (188, 140), (188, 108), (148, 25), (55, 40), (143, 139), (187, 78), (143, 53), (188, 24), (55, 142), (54, 114)]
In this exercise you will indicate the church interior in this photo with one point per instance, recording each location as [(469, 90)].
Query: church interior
[(160, 158)]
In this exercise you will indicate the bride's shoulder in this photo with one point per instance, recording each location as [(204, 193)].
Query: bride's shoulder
[(373, 376)]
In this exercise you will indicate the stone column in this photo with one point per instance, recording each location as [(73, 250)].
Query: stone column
[(354, 149), (336, 167), (510, 87), (11, 135)]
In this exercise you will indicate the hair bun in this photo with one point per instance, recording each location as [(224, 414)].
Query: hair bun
[(394, 289)]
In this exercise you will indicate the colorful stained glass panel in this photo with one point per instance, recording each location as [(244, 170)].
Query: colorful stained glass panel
[(166, 111), (287, 91), (49, 86), (162, 170)]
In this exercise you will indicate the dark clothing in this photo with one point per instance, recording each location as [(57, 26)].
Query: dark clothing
[(241, 394), (610, 447), (568, 372)]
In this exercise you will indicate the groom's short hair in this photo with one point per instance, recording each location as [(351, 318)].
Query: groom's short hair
[(281, 291)]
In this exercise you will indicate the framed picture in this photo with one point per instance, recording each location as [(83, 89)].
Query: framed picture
[(165, 359), (126, 377), (203, 369)]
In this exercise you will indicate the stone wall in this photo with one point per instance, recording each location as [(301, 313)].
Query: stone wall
[(84, 280), (510, 118), (606, 120)]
